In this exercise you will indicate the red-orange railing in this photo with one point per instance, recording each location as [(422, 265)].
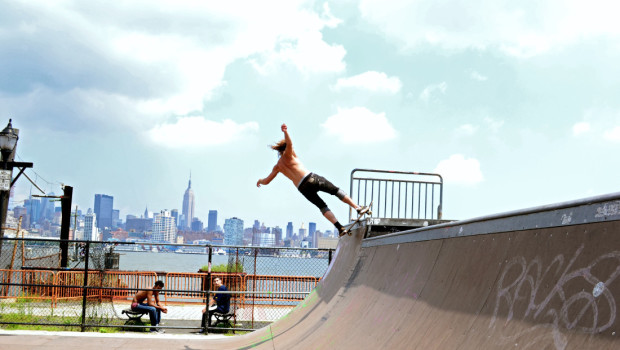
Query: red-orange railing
[(42, 279), (180, 287), (278, 286)]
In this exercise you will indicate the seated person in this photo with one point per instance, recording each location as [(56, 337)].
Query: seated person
[(220, 303), (148, 300)]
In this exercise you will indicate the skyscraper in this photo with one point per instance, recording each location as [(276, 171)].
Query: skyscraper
[(289, 230), (47, 208), (164, 228), (212, 222), (104, 205), (277, 231), (33, 206), (233, 231), (175, 214), (311, 230), (188, 205), (91, 233)]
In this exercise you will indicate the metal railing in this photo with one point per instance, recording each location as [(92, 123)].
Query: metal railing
[(397, 194)]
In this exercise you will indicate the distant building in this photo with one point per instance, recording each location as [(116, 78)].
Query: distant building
[(233, 231), (33, 207), (311, 231), (164, 228), (315, 238), (188, 205), (175, 215), (267, 239), (138, 224), (91, 231), (277, 232), (116, 218), (104, 205), (303, 233), (46, 210), (212, 222), (289, 230), (197, 225)]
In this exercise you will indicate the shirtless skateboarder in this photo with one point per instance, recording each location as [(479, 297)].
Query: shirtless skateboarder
[(307, 183)]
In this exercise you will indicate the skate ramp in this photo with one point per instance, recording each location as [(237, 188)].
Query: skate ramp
[(541, 278)]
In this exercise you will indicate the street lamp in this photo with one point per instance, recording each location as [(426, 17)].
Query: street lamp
[(8, 142)]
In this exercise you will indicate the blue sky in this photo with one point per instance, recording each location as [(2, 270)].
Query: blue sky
[(514, 103)]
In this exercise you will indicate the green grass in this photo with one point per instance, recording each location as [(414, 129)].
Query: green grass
[(23, 316), (224, 268)]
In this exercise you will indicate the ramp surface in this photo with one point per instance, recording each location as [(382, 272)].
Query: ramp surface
[(542, 278)]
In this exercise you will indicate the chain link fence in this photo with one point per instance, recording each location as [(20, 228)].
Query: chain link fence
[(100, 279)]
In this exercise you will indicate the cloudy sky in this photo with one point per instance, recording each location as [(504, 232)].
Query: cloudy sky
[(514, 103)]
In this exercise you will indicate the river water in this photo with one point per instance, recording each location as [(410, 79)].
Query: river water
[(265, 265)]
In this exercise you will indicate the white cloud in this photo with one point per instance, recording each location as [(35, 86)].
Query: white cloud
[(477, 76), (581, 128), (371, 80), (521, 29), (494, 125), (459, 170), (166, 57), (466, 130), (200, 132), (359, 125), (613, 134), (299, 42), (432, 89)]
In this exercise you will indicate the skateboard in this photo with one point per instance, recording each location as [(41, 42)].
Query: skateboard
[(359, 218)]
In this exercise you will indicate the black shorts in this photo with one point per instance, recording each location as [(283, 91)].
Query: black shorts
[(312, 184)]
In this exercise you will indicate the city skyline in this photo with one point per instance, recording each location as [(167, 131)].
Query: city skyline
[(506, 101), (37, 206)]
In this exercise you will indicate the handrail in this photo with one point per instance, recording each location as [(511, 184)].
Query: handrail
[(390, 191)]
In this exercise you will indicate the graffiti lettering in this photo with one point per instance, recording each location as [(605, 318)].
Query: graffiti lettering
[(521, 282)]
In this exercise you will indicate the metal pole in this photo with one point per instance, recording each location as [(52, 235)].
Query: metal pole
[(85, 290), (65, 225), (254, 287), (329, 258), (208, 289)]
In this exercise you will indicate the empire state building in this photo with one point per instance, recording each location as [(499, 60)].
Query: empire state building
[(188, 206)]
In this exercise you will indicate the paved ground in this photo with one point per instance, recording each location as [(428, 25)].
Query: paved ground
[(94, 341)]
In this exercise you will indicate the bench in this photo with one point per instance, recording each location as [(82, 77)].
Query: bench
[(135, 316), (223, 318)]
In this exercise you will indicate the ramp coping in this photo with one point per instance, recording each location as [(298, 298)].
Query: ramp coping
[(592, 209)]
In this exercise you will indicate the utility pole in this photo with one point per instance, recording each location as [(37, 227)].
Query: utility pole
[(65, 224)]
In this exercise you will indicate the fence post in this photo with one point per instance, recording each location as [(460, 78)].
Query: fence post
[(254, 285), (208, 289), (85, 289), (65, 225), (329, 258)]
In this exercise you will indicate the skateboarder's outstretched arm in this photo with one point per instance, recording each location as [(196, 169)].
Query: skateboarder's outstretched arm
[(270, 177), (288, 151)]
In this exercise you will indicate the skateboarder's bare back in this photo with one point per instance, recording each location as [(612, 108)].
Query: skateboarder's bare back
[(307, 183)]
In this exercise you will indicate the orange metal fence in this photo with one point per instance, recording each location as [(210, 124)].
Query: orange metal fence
[(180, 287), (42, 278), (278, 286), (190, 286)]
